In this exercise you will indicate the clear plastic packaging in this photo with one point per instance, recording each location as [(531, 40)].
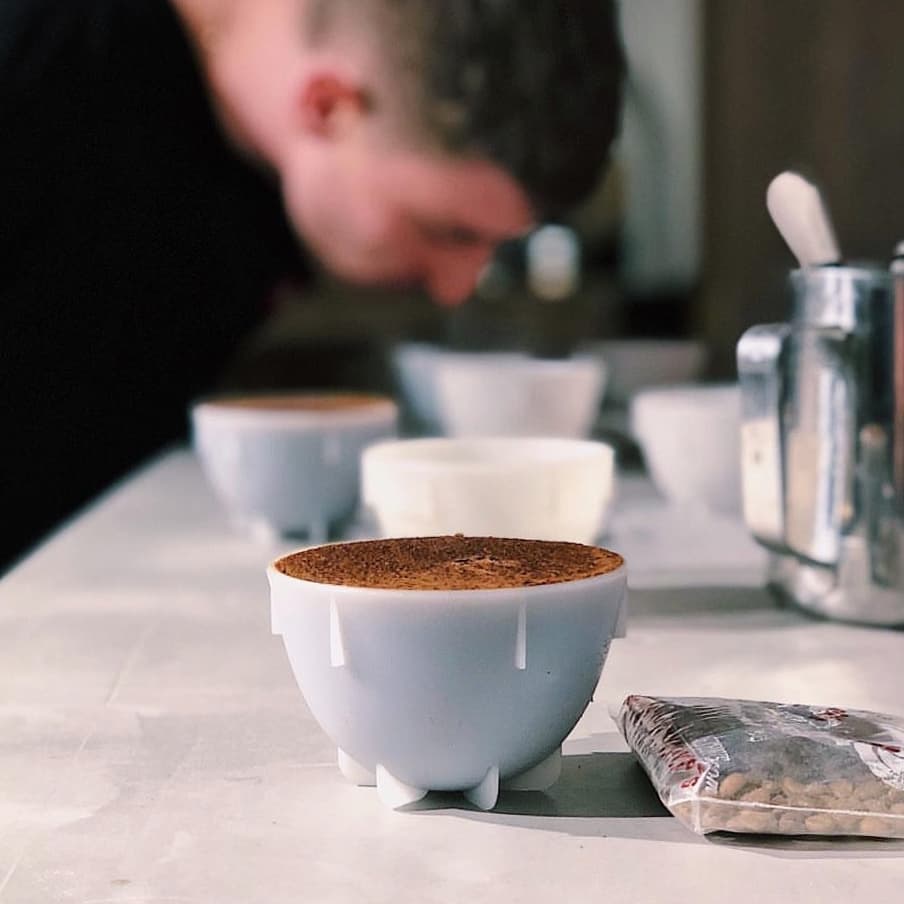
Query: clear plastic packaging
[(770, 768)]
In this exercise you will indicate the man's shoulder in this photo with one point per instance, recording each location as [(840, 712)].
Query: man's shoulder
[(34, 32), (88, 90), (65, 44)]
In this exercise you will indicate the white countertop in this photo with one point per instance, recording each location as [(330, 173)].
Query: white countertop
[(155, 748)]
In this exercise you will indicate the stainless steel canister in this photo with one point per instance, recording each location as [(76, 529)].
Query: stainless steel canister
[(823, 443)]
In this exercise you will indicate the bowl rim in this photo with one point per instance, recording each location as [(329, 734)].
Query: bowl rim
[(407, 595), (391, 454), (517, 364), (633, 343), (378, 409), (689, 392)]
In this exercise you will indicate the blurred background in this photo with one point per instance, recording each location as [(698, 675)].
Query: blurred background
[(676, 241)]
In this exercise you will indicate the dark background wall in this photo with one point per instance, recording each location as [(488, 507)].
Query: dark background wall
[(812, 83)]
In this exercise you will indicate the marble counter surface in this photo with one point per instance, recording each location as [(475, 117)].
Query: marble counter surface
[(155, 748)]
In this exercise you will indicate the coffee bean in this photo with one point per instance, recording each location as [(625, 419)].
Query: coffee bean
[(820, 824), (732, 785), (790, 824), (873, 825), (752, 821)]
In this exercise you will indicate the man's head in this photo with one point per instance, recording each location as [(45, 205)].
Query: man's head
[(412, 136)]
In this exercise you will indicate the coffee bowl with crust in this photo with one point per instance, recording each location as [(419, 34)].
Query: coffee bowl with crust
[(448, 663), (288, 464)]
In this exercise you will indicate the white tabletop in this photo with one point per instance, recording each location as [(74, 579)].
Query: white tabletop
[(155, 748)]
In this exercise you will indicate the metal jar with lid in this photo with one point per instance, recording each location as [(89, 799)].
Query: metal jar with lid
[(823, 442)]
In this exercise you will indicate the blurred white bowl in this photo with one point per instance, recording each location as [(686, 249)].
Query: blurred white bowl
[(447, 690), (636, 364), (546, 489), (414, 366), (284, 469), (691, 441), (518, 395)]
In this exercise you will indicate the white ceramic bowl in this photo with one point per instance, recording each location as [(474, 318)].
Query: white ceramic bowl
[(690, 436), (288, 471), (415, 366), (544, 489), (636, 364), (518, 395), (447, 690)]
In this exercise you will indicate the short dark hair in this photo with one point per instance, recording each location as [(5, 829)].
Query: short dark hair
[(533, 85)]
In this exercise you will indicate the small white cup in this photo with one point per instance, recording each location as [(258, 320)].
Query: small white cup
[(691, 440), (518, 395), (447, 690), (544, 489), (415, 366), (638, 364), (285, 470)]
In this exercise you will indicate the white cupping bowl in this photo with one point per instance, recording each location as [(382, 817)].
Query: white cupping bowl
[(415, 366), (543, 489), (518, 395), (691, 441), (447, 690), (638, 364), (288, 471)]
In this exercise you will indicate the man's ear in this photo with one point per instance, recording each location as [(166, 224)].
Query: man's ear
[(330, 104)]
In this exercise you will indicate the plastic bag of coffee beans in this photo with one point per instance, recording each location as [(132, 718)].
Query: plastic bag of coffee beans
[(773, 768)]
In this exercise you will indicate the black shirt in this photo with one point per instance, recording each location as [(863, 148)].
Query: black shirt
[(136, 248)]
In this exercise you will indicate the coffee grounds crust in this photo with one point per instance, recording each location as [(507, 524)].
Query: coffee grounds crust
[(449, 563), (301, 401)]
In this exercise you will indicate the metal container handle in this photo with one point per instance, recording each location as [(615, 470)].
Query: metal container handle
[(761, 353)]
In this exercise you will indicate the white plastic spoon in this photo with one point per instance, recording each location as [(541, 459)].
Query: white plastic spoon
[(799, 212)]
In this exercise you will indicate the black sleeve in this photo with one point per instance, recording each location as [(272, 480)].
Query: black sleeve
[(136, 247)]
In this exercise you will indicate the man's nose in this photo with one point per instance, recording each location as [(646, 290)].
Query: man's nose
[(452, 282), (449, 294)]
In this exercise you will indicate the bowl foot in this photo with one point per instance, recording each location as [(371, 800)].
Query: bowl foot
[(395, 793), (538, 778), (354, 771), (484, 795)]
